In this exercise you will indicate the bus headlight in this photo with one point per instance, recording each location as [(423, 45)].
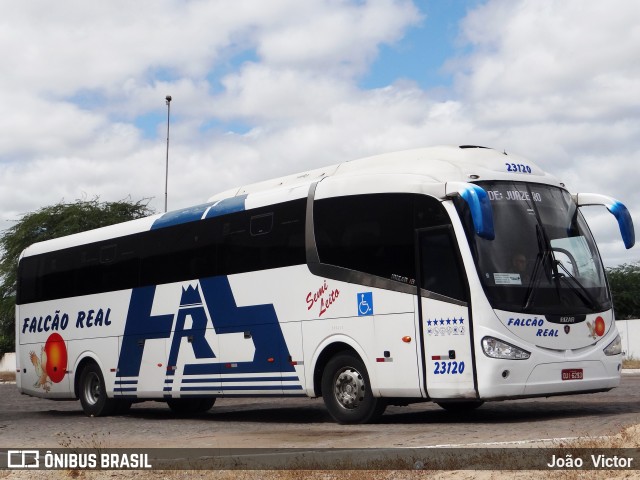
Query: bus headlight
[(614, 348), (495, 348)]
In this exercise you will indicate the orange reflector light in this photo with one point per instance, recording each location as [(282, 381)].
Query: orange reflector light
[(271, 360), (406, 339)]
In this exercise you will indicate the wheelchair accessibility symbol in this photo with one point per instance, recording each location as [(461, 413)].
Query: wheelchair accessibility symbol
[(365, 304)]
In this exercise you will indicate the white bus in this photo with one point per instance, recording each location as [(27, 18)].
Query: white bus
[(455, 275)]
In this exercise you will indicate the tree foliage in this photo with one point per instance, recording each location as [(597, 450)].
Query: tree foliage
[(625, 289), (45, 224)]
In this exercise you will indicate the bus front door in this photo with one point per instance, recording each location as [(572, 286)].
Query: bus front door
[(444, 316)]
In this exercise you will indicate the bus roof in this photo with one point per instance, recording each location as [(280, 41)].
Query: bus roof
[(433, 166), (439, 164)]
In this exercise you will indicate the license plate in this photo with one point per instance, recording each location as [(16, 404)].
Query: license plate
[(572, 374)]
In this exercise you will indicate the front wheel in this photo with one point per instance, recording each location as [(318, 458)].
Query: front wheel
[(93, 394), (346, 391)]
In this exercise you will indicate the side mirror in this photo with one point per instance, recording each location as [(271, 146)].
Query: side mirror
[(616, 208), (479, 205)]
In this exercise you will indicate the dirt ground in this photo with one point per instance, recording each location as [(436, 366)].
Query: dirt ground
[(627, 438)]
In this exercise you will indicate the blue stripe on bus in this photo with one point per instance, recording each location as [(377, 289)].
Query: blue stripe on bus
[(195, 213), (178, 217), (243, 387), (255, 395), (124, 389), (228, 205), (238, 395), (241, 379), (126, 382)]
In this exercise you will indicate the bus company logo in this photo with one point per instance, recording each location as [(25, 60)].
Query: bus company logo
[(525, 322), (202, 304), (46, 323), (597, 328), (51, 364), (57, 323)]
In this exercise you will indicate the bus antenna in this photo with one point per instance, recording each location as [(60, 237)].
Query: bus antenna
[(166, 173)]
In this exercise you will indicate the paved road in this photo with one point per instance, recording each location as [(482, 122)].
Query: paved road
[(30, 422)]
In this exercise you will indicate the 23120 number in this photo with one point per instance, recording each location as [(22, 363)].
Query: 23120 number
[(448, 368)]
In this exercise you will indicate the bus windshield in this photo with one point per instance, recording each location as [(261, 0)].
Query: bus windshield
[(543, 259)]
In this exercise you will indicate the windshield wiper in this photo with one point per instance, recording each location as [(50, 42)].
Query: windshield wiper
[(582, 292), (541, 261)]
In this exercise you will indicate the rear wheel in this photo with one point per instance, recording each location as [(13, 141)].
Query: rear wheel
[(93, 394), (347, 392), (190, 406)]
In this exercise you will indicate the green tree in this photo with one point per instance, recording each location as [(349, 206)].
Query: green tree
[(44, 224), (625, 289)]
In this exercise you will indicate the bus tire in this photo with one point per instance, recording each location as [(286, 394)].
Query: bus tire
[(190, 406), (461, 407), (93, 393), (346, 391)]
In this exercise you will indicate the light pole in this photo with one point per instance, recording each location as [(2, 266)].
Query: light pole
[(166, 175)]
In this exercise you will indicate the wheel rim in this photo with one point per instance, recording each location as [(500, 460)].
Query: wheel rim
[(92, 388), (349, 388)]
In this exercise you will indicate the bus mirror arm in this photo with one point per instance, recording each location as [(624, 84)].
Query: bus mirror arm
[(479, 205), (616, 208)]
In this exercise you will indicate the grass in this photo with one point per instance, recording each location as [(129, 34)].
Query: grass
[(7, 377), (631, 363)]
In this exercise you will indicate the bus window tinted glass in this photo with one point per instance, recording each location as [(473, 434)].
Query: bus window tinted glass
[(440, 269), (374, 233), (221, 245)]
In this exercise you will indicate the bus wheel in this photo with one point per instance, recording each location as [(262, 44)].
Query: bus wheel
[(460, 407), (347, 393), (93, 394), (190, 406)]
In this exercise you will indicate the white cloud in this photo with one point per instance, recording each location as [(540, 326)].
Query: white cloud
[(336, 35)]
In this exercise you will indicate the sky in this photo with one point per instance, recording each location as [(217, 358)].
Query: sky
[(262, 89)]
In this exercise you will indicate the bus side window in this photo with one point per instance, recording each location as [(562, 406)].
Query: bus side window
[(29, 282), (366, 233), (265, 238), (440, 268), (374, 233)]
